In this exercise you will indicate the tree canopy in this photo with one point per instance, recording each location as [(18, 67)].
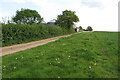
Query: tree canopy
[(80, 28), (67, 19), (89, 28), (27, 16)]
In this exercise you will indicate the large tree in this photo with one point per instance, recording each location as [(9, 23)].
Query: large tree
[(80, 28), (67, 19), (89, 28), (27, 16)]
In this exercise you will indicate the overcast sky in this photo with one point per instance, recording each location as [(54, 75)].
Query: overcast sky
[(102, 15)]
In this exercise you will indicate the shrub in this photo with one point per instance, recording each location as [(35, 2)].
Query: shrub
[(20, 33), (89, 28), (80, 28)]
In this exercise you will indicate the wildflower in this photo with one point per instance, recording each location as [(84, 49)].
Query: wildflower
[(22, 57), (58, 76), (14, 67), (3, 69), (15, 58), (94, 64), (90, 67), (4, 66), (56, 59), (50, 63), (69, 56), (58, 62)]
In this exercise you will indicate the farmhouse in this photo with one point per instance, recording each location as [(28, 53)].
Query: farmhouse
[(51, 22), (77, 29), (43, 22), (85, 30)]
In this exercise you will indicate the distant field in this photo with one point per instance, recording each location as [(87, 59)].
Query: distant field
[(83, 55)]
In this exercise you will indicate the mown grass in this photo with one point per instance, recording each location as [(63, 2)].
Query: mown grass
[(83, 55)]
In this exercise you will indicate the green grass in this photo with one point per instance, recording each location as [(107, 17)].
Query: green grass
[(84, 55)]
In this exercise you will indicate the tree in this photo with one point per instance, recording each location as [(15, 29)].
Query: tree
[(89, 28), (27, 16), (67, 19), (80, 28)]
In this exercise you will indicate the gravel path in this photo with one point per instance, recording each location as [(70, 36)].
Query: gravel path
[(19, 47)]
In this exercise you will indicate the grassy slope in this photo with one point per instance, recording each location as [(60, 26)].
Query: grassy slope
[(83, 55)]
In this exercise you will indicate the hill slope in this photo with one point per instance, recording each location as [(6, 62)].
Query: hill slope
[(84, 55)]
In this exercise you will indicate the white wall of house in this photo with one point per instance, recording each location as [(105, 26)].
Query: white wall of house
[(78, 30)]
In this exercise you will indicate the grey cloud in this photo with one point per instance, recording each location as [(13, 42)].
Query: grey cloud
[(91, 3)]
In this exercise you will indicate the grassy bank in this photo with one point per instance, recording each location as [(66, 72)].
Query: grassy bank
[(84, 55)]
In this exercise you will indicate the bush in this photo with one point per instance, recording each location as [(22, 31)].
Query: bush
[(20, 33), (89, 28), (80, 28)]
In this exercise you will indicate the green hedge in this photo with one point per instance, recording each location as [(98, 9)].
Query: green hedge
[(20, 33)]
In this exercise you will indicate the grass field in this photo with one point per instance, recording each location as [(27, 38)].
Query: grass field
[(83, 55)]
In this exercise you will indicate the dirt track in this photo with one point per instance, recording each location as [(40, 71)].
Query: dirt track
[(19, 47)]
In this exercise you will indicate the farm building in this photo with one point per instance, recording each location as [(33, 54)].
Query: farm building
[(77, 29), (51, 22), (85, 30)]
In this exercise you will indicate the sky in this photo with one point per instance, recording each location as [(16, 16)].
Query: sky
[(101, 15)]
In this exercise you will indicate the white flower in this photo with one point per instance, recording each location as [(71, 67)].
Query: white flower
[(58, 62), (57, 59), (58, 76), (94, 64), (90, 67), (15, 58), (14, 67)]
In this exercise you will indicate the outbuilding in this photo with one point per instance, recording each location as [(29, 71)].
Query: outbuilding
[(77, 29)]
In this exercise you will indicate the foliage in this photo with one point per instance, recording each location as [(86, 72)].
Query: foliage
[(19, 33), (84, 55), (27, 16), (80, 28), (89, 28), (67, 19)]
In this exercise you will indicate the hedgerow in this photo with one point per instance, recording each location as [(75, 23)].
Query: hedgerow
[(21, 33)]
